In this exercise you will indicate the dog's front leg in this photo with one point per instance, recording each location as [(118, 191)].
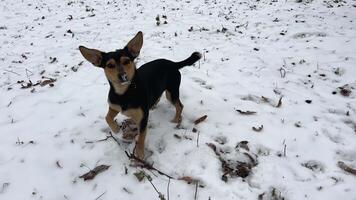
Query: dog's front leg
[(140, 143), (110, 116)]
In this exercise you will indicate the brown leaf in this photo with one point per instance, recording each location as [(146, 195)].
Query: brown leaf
[(258, 129), (47, 81), (177, 136), (58, 164), (140, 175), (92, 173), (201, 119), (265, 99), (246, 112), (212, 146)]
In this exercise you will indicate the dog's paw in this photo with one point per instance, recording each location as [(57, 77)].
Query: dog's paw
[(139, 153), (115, 129), (177, 120)]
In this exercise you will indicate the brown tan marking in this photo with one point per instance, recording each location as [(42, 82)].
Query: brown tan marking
[(140, 144), (136, 114), (110, 120), (179, 107), (112, 74), (114, 106)]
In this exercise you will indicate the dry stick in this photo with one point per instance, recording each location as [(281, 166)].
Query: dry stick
[(169, 181), (196, 190), (100, 195), (146, 165), (150, 180), (198, 139), (94, 141), (284, 148)]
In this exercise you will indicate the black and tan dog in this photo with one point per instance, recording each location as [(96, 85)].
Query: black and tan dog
[(134, 91)]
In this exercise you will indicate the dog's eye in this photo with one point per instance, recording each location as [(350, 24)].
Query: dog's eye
[(126, 62), (110, 65)]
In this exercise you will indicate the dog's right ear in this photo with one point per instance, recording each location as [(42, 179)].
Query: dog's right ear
[(92, 55)]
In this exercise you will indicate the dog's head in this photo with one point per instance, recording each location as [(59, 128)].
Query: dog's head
[(118, 65)]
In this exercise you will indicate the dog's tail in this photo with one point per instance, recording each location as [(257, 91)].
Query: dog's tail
[(189, 61)]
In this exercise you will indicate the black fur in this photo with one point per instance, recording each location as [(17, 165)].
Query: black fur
[(148, 84)]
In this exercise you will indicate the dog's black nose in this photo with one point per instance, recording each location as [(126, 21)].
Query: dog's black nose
[(123, 78)]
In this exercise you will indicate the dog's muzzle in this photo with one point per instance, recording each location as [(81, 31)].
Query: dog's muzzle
[(124, 79)]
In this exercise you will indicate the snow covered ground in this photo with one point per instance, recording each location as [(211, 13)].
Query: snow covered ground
[(255, 52)]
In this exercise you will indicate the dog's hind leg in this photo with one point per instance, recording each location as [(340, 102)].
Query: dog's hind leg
[(155, 105), (173, 97)]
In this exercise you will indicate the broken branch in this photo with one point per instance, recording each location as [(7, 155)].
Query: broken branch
[(200, 119), (92, 173)]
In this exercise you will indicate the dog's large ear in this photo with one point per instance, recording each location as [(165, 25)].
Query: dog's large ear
[(135, 44), (92, 55)]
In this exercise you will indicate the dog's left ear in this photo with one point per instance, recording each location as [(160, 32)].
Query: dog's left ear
[(135, 44)]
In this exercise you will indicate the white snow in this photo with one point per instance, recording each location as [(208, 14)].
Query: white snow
[(244, 44)]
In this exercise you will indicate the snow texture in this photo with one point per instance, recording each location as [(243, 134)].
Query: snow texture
[(254, 53)]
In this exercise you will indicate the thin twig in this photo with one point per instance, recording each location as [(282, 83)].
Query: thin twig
[(198, 139), (150, 180), (160, 195), (94, 141), (144, 164), (169, 181), (12, 72), (100, 196), (284, 148), (196, 190)]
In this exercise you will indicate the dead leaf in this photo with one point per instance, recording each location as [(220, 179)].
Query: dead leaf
[(47, 81), (346, 168), (58, 164), (140, 175), (246, 112), (258, 129), (92, 173), (243, 145), (201, 119)]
